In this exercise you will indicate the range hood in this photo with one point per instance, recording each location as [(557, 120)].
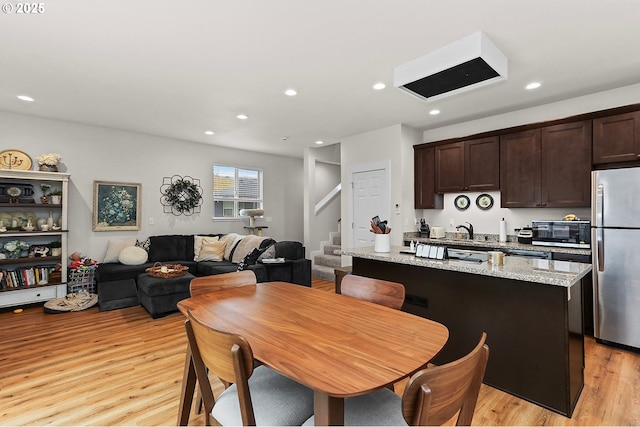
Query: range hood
[(460, 66)]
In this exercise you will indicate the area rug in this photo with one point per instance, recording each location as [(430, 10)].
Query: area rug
[(71, 302)]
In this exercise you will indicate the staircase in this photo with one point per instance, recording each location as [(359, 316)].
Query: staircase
[(325, 263)]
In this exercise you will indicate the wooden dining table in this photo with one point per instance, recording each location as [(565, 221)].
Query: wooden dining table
[(336, 345)]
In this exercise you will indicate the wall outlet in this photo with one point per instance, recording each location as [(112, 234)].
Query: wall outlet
[(151, 221), (452, 223)]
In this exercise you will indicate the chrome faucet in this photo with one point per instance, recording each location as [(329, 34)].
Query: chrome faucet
[(469, 229)]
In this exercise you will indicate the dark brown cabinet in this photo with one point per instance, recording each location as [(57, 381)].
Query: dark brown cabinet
[(425, 196), (471, 165), (547, 167), (616, 138)]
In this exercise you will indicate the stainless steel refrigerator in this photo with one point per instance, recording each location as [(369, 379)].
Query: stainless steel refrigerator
[(615, 228)]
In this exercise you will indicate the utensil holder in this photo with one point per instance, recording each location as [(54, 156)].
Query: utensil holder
[(382, 243)]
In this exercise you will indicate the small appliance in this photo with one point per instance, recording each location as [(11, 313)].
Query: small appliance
[(437, 233), (525, 235), (566, 234)]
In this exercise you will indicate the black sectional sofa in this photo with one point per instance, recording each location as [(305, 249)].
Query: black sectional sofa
[(179, 249)]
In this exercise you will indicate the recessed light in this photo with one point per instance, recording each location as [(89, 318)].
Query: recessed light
[(208, 132), (25, 98), (533, 85), (290, 92), (379, 86), (434, 112), (319, 142), (242, 116)]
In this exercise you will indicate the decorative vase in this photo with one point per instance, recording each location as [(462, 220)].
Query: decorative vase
[(50, 220), (49, 168), (56, 199), (56, 251), (40, 222), (44, 200)]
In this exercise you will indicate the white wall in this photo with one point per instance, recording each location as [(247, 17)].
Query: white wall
[(393, 145), (94, 153)]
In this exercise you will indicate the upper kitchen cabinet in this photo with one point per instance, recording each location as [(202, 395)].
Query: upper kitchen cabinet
[(616, 138), (471, 165), (547, 167), (425, 196)]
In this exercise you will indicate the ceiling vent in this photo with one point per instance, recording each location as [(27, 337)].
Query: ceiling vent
[(460, 66)]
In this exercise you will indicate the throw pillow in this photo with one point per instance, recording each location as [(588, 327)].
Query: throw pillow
[(211, 251), (250, 259), (197, 244), (144, 244), (133, 255), (115, 247)]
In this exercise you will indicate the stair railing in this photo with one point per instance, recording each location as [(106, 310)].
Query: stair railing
[(328, 198)]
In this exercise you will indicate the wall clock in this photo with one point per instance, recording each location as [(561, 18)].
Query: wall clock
[(462, 202), (484, 202)]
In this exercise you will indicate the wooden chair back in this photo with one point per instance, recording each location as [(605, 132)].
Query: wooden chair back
[(383, 292), (205, 284), (228, 356), (434, 395)]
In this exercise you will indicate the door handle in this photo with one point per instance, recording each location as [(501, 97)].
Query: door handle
[(600, 248)]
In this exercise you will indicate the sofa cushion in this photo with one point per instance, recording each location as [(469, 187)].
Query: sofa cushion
[(114, 247), (209, 268), (289, 250), (171, 247), (133, 255)]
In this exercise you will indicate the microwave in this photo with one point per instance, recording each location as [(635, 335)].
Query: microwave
[(566, 234)]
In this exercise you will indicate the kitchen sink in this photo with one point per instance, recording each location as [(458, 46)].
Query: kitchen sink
[(467, 255)]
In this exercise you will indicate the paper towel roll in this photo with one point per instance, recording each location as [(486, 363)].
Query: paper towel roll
[(503, 231)]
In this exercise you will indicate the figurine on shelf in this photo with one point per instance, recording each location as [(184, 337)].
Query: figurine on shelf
[(78, 261)]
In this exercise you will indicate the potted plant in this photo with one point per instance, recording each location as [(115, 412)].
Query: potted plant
[(56, 248), (45, 188), (56, 197)]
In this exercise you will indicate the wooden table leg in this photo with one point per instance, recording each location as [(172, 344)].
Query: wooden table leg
[(188, 388), (328, 410)]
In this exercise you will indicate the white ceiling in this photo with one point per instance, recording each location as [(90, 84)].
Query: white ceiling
[(176, 68)]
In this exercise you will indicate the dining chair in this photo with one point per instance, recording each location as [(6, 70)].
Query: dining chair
[(204, 284), (390, 294), (216, 282), (432, 396), (254, 395)]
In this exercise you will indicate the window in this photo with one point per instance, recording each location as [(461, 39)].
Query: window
[(235, 188)]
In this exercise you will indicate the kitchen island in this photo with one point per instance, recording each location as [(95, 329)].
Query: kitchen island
[(530, 308)]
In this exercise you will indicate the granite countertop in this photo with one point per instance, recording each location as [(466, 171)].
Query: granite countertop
[(494, 244), (558, 273)]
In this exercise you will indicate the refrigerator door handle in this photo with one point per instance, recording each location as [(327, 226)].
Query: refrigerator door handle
[(599, 205), (600, 248)]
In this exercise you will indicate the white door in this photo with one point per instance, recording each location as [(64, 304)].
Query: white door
[(370, 198)]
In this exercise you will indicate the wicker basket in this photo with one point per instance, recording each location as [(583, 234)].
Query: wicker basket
[(167, 271), (81, 280)]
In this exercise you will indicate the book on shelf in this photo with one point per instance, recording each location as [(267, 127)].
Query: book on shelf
[(25, 277)]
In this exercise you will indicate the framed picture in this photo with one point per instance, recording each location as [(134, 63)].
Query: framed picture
[(116, 206)]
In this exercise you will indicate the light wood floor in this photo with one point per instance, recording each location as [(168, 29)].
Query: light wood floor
[(123, 368)]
